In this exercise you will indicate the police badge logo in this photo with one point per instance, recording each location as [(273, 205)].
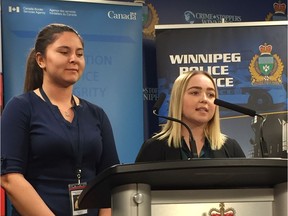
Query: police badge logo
[(149, 20), (222, 211), (279, 12), (266, 68)]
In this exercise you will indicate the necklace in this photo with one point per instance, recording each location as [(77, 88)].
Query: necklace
[(67, 113)]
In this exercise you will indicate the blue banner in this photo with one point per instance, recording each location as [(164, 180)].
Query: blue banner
[(248, 62), (194, 12)]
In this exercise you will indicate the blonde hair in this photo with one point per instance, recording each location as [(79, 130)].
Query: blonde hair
[(172, 130)]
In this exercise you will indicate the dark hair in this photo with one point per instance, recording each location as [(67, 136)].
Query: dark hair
[(34, 74)]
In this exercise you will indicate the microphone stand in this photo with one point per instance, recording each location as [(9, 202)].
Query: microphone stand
[(262, 142), (246, 111), (192, 143)]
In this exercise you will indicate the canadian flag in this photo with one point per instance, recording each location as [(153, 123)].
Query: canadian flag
[(14, 9)]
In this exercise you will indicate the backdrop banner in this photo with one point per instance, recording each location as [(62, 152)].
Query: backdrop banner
[(193, 12), (112, 79), (248, 62)]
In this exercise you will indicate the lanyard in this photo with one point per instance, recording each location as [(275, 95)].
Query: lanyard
[(75, 144)]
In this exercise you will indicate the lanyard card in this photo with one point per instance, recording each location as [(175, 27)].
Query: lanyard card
[(74, 193)]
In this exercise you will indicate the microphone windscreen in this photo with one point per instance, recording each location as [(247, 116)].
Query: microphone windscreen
[(235, 107), (159, 102)]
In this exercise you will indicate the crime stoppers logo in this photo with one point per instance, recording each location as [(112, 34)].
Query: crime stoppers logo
[(266, 68)]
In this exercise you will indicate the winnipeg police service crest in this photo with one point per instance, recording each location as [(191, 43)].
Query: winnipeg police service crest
[(222, 211), (266, 68), (279, 12), (150, 19)]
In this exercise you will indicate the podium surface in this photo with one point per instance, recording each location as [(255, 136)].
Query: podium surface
[(186, 175)]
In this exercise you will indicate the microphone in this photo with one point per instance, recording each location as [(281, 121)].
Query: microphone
[(235, 107), (156, 108), (159, 102), (246, 111)]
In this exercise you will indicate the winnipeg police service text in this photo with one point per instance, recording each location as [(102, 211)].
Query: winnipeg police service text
[(216, 64)]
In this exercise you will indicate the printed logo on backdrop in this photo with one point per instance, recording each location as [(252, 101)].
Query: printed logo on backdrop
[(279, 12), (41, 11), (200, 17), (149, 20), (14, 9), (222, 211), (266, 68), (122, 16)]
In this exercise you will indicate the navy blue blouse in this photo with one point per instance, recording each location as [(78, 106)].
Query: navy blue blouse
[(39, 143), (154, 149)]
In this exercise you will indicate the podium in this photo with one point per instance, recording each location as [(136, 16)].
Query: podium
[(204, 187)]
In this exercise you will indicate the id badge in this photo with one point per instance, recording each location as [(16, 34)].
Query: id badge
[(74, 193)]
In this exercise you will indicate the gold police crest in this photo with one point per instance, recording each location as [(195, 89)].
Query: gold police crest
[(150, 19), (266, 68), (222, 211), (279, 12)]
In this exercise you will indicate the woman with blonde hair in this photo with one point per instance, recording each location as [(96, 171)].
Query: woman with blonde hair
[(192, 101)]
